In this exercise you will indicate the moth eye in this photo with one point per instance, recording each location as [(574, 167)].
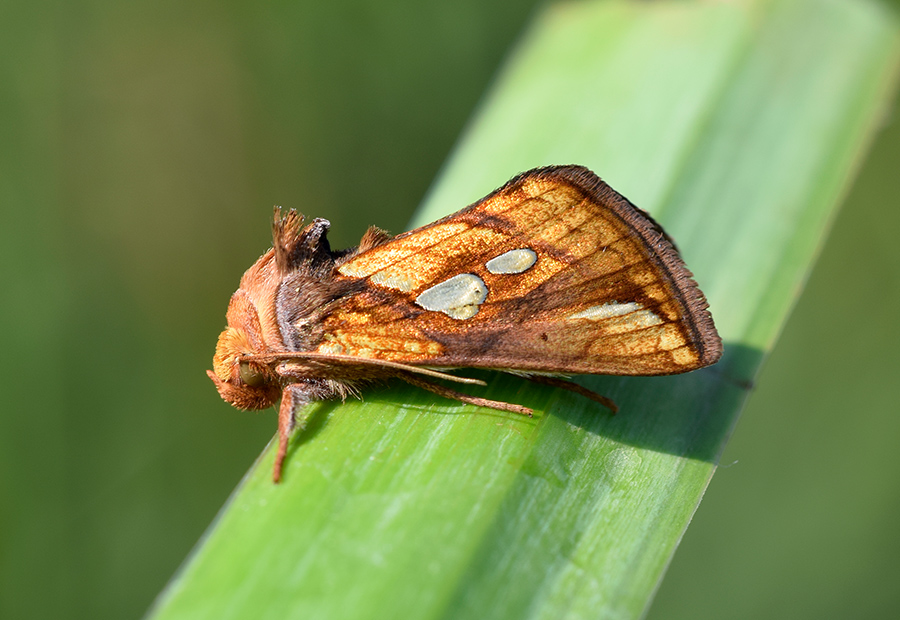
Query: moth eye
[(251, 376)]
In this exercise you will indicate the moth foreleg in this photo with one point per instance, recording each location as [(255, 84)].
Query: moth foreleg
[(292, 398), (446, 392), (574, 387)]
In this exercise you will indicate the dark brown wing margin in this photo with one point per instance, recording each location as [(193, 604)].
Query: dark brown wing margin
[(696, 309)]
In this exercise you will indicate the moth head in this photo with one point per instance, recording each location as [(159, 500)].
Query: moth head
[(241, 382)]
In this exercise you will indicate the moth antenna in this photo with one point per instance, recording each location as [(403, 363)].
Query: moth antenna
[(446, 392), (359, 361)]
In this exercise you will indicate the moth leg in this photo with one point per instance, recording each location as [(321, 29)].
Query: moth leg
[(291, 400), (574, 387), (446, 392)]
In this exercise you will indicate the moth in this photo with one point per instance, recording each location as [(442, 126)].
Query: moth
[(553, 274)]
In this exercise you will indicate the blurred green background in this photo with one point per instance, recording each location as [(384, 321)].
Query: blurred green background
[(142, 146)]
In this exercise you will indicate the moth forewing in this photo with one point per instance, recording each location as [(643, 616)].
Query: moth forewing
[(606, 292), (554, 272)]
